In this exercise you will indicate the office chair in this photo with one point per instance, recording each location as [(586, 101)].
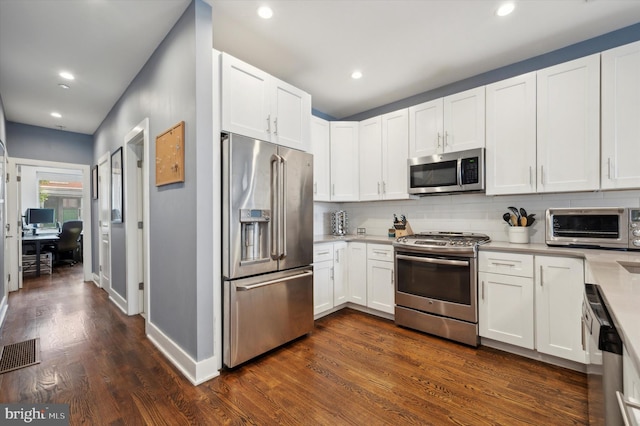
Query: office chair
[(68, 245)]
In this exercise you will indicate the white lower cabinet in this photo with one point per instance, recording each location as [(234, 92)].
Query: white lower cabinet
[(506, 309), (559, 289), (630, 376), (357, 275), (532, 302), (340, 273), (323, 277), (380, 284)]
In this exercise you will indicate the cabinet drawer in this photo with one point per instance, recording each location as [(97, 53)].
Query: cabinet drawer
[(322, 252), (382, 252), (520, 265)]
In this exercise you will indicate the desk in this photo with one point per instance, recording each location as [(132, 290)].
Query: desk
[(38, 240)]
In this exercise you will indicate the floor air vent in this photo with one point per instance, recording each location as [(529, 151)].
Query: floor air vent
[(19, 355)]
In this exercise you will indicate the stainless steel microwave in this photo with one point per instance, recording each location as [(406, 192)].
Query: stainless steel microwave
[(461, 171), (605, 227)]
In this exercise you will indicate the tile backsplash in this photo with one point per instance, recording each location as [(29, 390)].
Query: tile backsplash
[(464, 212)]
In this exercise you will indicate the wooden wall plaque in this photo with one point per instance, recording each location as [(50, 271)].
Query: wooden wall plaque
[(170, 156)]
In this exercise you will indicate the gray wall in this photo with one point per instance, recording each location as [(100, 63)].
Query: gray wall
[(578, 50), (40, 143), (166, 91)]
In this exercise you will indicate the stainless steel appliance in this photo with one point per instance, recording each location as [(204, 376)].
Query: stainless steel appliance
[(598, 227), (604, 370), (449, 172), (436, 276), (267, 236)]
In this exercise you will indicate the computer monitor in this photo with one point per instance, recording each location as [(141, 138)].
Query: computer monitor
[(36, 216)]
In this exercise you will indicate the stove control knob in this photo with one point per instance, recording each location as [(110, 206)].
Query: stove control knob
[(636, 243), (636, 232)]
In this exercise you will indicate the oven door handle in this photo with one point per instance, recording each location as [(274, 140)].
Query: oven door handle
[(433, 260)]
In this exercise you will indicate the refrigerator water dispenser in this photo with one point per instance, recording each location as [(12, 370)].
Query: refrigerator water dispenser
[(255, 235)]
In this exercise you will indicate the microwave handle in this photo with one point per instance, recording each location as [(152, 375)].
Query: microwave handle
[(459, 177)]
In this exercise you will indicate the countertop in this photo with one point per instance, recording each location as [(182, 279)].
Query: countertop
[(620, 288)]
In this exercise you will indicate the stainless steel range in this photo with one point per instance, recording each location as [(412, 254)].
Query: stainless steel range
[(436, 276)]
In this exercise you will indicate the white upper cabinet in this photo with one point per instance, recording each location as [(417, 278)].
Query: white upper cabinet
[(453, 123), (620, 116), (260, 106), (425, 129), (568, 131), (320, 147), (344, 160), (370, 158), (384, 149), (464, 120), (511, 136)]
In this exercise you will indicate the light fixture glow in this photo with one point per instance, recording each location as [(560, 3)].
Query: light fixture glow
[(63, 86), (66, 75), (265, 12), (505, 9), (356, 75), (56, 115)]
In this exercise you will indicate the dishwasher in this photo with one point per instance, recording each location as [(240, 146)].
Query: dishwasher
[(603, 345)]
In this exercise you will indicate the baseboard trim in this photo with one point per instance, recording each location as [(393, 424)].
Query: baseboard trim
[(118, 300), (96, 280), (197, 372), (4, 305)]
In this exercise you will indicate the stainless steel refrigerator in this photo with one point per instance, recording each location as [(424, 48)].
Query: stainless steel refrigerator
[(267, 202)]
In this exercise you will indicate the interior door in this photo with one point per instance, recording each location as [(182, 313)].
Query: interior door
[(104, 202), (3, 214)]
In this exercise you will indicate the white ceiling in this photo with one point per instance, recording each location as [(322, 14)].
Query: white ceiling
[(403, 47), (104, 43)]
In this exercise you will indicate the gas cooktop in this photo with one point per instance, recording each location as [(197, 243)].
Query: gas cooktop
[(443, 240)]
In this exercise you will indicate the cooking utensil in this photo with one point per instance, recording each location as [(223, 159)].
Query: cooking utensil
[(523, 221), (530, 219), (515, 211), (507, 218), (514, 220), (523, 212)]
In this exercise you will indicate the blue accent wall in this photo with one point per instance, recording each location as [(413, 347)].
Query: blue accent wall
[(595, 45), (40, 143)]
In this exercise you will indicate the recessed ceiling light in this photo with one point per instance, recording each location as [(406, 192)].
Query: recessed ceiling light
[(66, 75), (265, 12), (505, 9), (356, 75), (56, 115), (63, 86)]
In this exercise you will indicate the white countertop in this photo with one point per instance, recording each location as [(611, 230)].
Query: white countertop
[(620, 288)]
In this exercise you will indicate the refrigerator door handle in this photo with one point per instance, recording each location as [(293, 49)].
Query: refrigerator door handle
[(283, 206), (266, 283), (275, 207)]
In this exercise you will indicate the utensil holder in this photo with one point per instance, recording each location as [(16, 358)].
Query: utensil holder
[(519, 234)]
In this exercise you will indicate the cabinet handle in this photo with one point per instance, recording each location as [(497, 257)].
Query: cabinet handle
[(541, 277), (582, 326), (338, 256), (332, 272), (333, 189), (378, 188), (609, 167), (269, 123), (384, 187), (530, 176), (446, 137), (542, 175), (275, 125), (322, 252), (439, 139), (482, 289), (315, 187)]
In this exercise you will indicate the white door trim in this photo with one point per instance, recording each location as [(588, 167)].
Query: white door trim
[(105, 158), (136, 147), (86, 206)]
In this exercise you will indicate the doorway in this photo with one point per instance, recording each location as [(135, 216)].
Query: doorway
[(15, 208), (136, 202), (104, 222)]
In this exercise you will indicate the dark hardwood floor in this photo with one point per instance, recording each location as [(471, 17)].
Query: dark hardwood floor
[(354, 369)]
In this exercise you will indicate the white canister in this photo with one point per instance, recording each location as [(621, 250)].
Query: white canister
[(519, 234)]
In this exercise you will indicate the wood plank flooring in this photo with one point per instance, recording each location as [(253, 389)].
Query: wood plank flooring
[(354, 369)]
